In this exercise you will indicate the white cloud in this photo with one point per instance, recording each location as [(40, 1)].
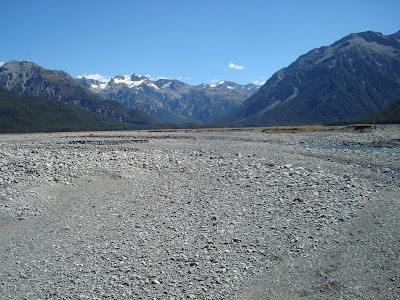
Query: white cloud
[(259, 82), (215, 80), (184, 78), (236, 67), (96, 77), (2, 63), (148, 76), (169, 78), (154, 79)]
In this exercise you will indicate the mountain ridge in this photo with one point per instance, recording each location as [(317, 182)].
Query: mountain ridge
[(29, 79), (388, 115), (356, 75), (171, 100), (20, 113)]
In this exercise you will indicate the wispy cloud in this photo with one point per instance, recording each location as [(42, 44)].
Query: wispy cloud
[(167, 77), (2, 63), (214, 80), (261, 80), (96, 77), (236, 67), (184, 78), (154, 79), (256, 82)]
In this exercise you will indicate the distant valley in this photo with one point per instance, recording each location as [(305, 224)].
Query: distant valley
[(172, 101), (37, 114), (29, 79), (353, 79)]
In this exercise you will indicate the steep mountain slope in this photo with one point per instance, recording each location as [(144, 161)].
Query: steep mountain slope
[(37, 114), (173, 101), (250, 88), (27, 78), (356, 75), (389, 115)]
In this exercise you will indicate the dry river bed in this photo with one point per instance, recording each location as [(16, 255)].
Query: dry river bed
[(200, 215)]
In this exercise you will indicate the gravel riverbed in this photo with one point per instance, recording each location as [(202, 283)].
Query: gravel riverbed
[(200, 215)]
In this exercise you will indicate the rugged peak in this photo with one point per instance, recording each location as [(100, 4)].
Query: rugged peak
[(395, 35), (230, 85), (368, 42), (27, 78), (251, 88), (369, 38), (204, 85), (21, 71), (221, 83), (127, 80), (18, 66), (91, 83), (356, 75), (137, 77), (15, 74), (174, 101)]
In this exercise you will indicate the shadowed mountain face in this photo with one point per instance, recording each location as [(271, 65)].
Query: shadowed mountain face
[(172, 101), (29, 79), (37, 114), (389, 115), (356, 75)]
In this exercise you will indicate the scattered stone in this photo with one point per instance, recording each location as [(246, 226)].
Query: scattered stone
[(299, 199), (204, 211)]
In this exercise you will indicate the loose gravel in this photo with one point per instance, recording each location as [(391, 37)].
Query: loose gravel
[(199, 215)]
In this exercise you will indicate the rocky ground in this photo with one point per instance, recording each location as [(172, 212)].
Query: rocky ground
[(200, 215)]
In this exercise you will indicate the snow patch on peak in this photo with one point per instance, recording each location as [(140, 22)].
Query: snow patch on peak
[(221, 82), (166, 85), (127, 80), (153, 85), (101, 85)]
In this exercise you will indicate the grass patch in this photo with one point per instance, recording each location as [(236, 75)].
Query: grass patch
[(300, 129)]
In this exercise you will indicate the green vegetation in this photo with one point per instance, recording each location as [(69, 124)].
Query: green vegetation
[(36, 114), (69, 90), (389, 115), (300, 129), (29, 79)]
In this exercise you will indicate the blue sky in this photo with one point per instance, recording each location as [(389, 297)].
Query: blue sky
[(194, 41)]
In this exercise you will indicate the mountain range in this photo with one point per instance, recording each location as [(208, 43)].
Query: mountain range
[(37, 114), (356, 75), (389, 115), (30, 79), (172, 101)]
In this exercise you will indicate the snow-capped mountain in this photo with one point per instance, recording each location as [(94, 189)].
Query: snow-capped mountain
[(250, 88), (29, 79), (173, 101)]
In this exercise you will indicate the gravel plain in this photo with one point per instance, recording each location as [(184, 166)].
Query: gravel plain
[(234, 214)]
